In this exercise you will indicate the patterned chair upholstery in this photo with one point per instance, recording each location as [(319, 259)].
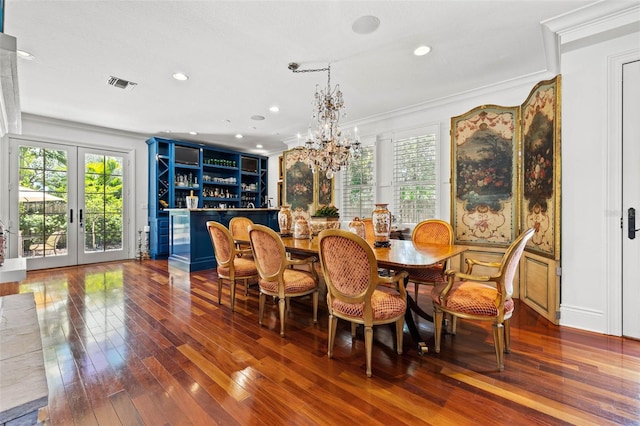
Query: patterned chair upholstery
[(471, 296), (432, 231), (277, 277), (231, 266), (356, 292), (239, 227)]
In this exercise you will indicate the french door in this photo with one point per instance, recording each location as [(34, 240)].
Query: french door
[(68, 204)]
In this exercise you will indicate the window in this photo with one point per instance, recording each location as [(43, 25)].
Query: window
[(414, 178), (358, 186)]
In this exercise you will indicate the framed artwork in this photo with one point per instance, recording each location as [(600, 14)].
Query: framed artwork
[(280, 167), (541, 167), (484, 175), (280, 193), (324, 191), (304, 190), (299, 187)]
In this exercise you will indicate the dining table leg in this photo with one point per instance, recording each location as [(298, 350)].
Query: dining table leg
[(412, 306)]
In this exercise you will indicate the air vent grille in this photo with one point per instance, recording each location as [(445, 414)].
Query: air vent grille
[(121, 83)]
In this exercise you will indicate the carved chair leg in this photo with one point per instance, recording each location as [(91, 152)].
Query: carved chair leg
[(333, 323), (498, 340), (353, 330), (368, 344), (261, 301), (399, 334), (281, 308), (507, 336), (315, 307), (219, 290), (232, 289), (438, 315)]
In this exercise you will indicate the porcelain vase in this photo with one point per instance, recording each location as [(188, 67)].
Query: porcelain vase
[(381, 217), (284, 220)]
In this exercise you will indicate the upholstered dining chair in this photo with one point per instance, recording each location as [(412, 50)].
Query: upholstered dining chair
[(482, 297), (368, 228), (277, 277), (356, 292), (239, 227), (432, 231), (232, 266)]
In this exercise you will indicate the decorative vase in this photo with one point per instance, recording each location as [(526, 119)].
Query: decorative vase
[(301, 228), (381, 217), (284, 220), (318, 224), (357, 227)]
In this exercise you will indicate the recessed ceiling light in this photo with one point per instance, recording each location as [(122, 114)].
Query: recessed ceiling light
[(25, 55), (180, 76), (365, 24), (167, 131), (193, 133), (257, 117), (274, 108), (239, 136), (422, 50), (259, 146)]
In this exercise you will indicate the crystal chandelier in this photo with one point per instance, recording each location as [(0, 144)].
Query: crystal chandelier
[(327, 149)]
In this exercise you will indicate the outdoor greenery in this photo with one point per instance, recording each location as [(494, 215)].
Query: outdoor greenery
[(43, 176)]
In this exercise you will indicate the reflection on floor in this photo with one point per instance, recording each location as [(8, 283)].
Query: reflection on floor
[(133, 343)]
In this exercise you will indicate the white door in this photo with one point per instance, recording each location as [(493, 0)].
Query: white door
[(67, 204), (631, 199)]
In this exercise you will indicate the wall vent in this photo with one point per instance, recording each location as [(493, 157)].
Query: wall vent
[(121, 83)]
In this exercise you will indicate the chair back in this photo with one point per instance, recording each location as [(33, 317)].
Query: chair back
[(239, 227), (222, 241), (368, 228), (511, 259), (348, 264), (433, 231), (268, 251)]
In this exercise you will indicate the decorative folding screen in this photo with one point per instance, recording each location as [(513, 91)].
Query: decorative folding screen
[(506, 172)]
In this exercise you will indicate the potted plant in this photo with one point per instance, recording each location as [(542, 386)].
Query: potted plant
[(326, 217)]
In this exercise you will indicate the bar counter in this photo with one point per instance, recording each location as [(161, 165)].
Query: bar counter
[(190, 246)]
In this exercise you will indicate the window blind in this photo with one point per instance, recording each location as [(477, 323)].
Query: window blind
[(357, 186), (414, 178)]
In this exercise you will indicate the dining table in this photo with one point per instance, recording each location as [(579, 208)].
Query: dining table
[(399, 256)]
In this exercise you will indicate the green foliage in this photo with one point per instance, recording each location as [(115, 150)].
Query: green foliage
[(327, 211), (46, 170)]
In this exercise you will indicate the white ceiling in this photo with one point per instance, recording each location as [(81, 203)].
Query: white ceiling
[(236, 55)]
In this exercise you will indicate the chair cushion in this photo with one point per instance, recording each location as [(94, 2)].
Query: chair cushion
[(429, 275), (471, 297), (295, 281), (385, 303), (244, 268)]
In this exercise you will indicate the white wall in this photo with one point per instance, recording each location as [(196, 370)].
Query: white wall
[(587, 171)]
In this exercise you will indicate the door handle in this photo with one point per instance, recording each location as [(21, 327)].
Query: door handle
[(80, 218), (631, 223), (71, 216)]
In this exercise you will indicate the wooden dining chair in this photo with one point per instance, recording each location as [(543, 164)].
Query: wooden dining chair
[(431, 231), (231, 266), (368, 228), (277, 277), (356, 292), (239, 227), (482, 297)]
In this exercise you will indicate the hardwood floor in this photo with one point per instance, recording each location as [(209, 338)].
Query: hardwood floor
[(132, 343)]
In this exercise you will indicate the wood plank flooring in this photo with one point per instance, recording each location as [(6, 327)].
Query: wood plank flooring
[(133, 343)]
